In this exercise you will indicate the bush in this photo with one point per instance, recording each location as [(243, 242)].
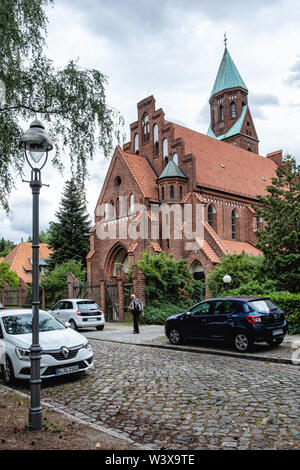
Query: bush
[(157, 315), (290, 304), (242, 268), (8, 275), (255, 287), (55, 282), (167, 279)]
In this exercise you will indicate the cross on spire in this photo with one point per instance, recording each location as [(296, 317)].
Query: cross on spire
[(225, 40)]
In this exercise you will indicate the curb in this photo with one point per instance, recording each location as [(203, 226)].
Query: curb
[(253, 357)]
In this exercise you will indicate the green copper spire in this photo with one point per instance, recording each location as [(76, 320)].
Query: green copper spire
[(228, 75), (172, 171)]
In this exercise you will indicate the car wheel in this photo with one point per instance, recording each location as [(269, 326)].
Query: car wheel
[(242, 342), (175, 336), (73, 325), (100, 327), (7, 371)]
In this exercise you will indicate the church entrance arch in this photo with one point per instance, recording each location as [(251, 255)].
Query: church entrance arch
[(197, 271)]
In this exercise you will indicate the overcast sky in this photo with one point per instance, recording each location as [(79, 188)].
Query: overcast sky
[(172, 49)]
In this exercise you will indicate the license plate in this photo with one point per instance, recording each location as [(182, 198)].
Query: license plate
[(66, 370), (277, 332)]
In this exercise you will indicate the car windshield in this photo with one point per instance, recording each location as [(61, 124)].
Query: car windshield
[(87, 305), (22, 324), (263, 305)]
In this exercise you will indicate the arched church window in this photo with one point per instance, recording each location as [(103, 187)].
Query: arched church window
[(162, 193), (166, 161), (146, 128), (155, 139), (175, 158), (221, 113), (172, 192), (165, 147), (211, 211), (234, 223), (233, 110), (136, 144), (131, 203)]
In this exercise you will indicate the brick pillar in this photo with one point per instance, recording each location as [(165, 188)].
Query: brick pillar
[(72, 281), (138, 282)]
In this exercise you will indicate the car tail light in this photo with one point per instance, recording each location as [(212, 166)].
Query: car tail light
[(254, 319), (78, 313)]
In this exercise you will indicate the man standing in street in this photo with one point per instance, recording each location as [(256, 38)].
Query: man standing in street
[(136, 307)]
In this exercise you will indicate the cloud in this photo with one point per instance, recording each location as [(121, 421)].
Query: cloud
[(294, 77), (258, 101)]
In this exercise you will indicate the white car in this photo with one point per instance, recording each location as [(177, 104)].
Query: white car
[(80, 313), (64, 351)]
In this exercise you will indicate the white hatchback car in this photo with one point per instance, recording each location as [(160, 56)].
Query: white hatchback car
[(64, 351), (80, 313)]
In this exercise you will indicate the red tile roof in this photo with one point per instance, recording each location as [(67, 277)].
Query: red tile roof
[(238, 247), (18, 259), (242, 173), (143, 174)]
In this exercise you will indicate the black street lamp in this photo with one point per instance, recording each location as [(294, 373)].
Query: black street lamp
[(36, 144)]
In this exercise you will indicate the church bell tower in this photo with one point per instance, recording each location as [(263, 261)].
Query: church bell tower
[(230, 117)]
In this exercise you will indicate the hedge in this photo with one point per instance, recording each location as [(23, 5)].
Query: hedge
[(290, 304)]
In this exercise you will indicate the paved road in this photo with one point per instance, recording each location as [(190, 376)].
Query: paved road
[(184, 400)]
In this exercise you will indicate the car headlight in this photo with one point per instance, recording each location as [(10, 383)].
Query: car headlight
[(87, 346), (23, 354)]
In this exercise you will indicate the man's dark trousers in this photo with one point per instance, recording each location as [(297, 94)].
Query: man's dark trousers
[(136, 316)]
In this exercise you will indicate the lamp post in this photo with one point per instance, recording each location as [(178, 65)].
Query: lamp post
[(36, 145), (227, 280)]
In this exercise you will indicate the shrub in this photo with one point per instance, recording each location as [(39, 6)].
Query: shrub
[(55, 282), (255, 287), (242, 268), (290, 304), (157, 315), (8, 275), (167, 279)]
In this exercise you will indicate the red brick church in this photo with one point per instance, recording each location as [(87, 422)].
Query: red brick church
[(166, 164)]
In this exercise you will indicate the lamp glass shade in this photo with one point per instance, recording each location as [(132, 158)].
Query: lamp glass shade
[(227, 279)]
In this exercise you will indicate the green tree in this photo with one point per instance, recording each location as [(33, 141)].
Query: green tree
[(8, 275), (279, 239), (70, 101), (69, 236), (55, 281), (241, 268), (43, 237), (167, 279), (6, 246)]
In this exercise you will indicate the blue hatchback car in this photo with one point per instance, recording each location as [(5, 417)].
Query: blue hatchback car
[(239, 321)]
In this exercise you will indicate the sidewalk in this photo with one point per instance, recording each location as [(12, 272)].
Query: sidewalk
[(154, 336)]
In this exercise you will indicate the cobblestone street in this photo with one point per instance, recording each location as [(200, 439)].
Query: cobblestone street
[(184, 400)]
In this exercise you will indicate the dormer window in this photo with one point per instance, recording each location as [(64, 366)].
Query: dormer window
[(145, 128), (233, 110)]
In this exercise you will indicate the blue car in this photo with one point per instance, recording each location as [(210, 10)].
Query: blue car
[(238, 321)]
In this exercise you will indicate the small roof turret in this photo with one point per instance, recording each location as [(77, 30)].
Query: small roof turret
[(172, 171)]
